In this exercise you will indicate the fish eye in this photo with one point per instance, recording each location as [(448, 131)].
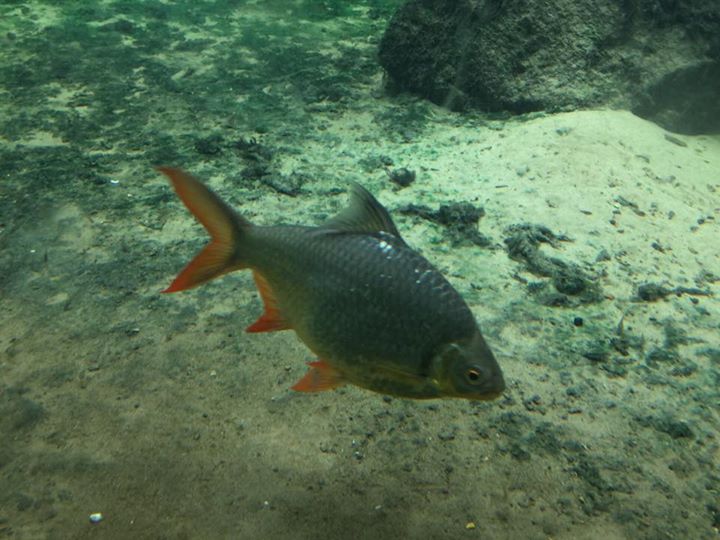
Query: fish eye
[(473, 375)]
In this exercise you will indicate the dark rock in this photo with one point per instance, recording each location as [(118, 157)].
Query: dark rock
[(658, 58), (402, 177), (460, 220), (573, 391), (569, 280), (650, 292), (677, 429), (459, 214)]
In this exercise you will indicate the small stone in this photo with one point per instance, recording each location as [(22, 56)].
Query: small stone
[(402, 177), (650, 292), (573, 391), (96, 517)]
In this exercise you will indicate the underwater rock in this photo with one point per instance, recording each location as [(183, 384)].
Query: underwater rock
[(402, 177), (659, 59), (650, 292), (677, 429), (571, 284), (459, 219)]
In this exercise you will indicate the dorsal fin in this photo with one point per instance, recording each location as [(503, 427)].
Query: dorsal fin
[(363, 214)]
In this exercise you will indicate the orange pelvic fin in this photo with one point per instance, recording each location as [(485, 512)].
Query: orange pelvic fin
[(225, 226), (320, 377), (272, 319)]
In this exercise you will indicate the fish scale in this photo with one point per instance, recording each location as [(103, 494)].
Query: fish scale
[(357, 290)]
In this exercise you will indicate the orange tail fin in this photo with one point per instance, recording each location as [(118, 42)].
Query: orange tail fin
[(225, 226)]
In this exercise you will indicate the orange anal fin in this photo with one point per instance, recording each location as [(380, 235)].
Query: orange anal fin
[(320, 377), (272, 319)]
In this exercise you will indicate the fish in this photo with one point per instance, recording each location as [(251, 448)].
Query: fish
[(375, 312)]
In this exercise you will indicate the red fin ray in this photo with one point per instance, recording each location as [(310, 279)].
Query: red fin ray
[(223, 224), (211, 262), (272, 318), (320, 377)]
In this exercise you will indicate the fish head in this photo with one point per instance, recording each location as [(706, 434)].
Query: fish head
[(467, 368)]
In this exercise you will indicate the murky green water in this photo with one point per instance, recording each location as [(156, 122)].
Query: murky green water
[(588, 258)]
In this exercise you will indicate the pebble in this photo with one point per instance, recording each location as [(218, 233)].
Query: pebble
[(402, 177)]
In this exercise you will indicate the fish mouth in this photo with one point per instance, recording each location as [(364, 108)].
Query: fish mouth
[(493, 389), (489, 396)]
